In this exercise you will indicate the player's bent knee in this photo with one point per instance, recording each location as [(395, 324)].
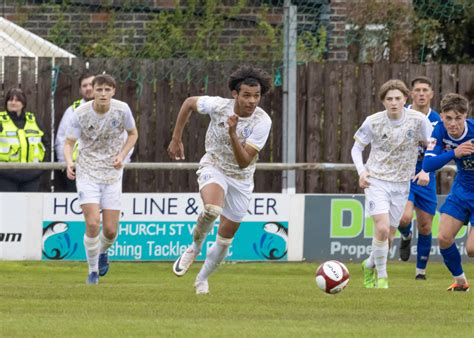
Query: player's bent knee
[(224, 241), (444, 241), (211, 212)]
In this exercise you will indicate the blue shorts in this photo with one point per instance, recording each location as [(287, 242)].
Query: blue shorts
[(424, 198), (459, 204)]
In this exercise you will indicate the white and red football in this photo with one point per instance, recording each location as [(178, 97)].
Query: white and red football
[(332, 277)]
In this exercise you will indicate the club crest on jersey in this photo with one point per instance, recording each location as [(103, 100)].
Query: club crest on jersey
[(204, 178), (114, 123), (371, 205), (246, 132), (410, 133)]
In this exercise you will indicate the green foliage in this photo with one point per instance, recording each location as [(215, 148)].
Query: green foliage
[(61, 33), (444, 31), (311, 48)]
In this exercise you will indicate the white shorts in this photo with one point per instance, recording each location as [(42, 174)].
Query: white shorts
[(237, 193), (384, 197), (108, 196)]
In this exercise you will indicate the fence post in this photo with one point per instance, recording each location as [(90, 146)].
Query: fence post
[(289, 97)]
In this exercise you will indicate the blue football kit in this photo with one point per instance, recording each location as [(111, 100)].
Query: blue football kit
[(460, 201), (424, 197)]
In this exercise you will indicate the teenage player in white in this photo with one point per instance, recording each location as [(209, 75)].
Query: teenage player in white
[(237, 132), (394, 135), (98, 125)]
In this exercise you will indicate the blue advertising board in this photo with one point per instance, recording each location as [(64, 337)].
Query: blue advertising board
[(158, 227)]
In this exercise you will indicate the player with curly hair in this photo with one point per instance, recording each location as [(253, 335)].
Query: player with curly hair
[(237, 132)]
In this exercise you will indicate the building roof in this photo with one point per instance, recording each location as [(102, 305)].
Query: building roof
[(17, 41)]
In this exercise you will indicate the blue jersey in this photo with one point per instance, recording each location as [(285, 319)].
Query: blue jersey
[(434, 118), (441, 143)]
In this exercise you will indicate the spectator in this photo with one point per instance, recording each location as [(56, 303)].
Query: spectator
[(22, 139)]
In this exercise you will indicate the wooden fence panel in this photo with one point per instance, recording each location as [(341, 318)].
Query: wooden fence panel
[(275, 143), (400, 71), (381, 73), (301, 117), (433, 71), (466, 82), (146, 126), (315, 94), (28, 85), (10, 76), (333, 100), (332, 79), (164, 123), (348, 126)]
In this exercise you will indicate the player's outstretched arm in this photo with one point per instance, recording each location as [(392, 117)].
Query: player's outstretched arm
[(176, 147)]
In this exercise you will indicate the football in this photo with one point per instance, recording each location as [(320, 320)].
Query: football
[(332, 277)]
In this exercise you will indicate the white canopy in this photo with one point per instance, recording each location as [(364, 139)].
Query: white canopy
[(17, 41)]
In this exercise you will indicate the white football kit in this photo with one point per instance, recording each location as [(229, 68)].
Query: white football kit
[(392, 159), (218, 165), (100, 141)]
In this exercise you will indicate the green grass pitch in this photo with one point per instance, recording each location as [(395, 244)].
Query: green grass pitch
[(49, 299)]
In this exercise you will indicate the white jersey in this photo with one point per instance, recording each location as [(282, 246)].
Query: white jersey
[(100, 140), (394, 144), (252, 130), (66, 121)]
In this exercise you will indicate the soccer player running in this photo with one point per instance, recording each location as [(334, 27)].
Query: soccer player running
[(421, 199), (394, 135), (98, 125), (453, 140), (237, 132)]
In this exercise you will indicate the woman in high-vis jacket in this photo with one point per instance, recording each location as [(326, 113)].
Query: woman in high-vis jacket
[(22, 139)]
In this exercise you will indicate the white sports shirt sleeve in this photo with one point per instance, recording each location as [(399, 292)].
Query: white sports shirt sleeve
[(426, 130), (209, 104), (73, 132), (61, 134), (259, 136), (364, 134)]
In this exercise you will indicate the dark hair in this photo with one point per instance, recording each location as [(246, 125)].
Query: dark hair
[(393, 85), (454, 102), (84, 76), (104, 79), (20, 96), (421, 79), (250, 76)]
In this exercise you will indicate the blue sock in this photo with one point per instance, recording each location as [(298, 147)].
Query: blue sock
[(452, 260), (423, 250), (405, 231)]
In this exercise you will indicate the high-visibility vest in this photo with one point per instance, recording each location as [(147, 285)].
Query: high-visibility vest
[(75, 151), (21, 145)]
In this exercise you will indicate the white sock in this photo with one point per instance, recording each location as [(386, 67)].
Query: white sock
[(91, 244), (380, 253), (105, 243), (420, 271), (215, 256), (461, 279), (370, 263)]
